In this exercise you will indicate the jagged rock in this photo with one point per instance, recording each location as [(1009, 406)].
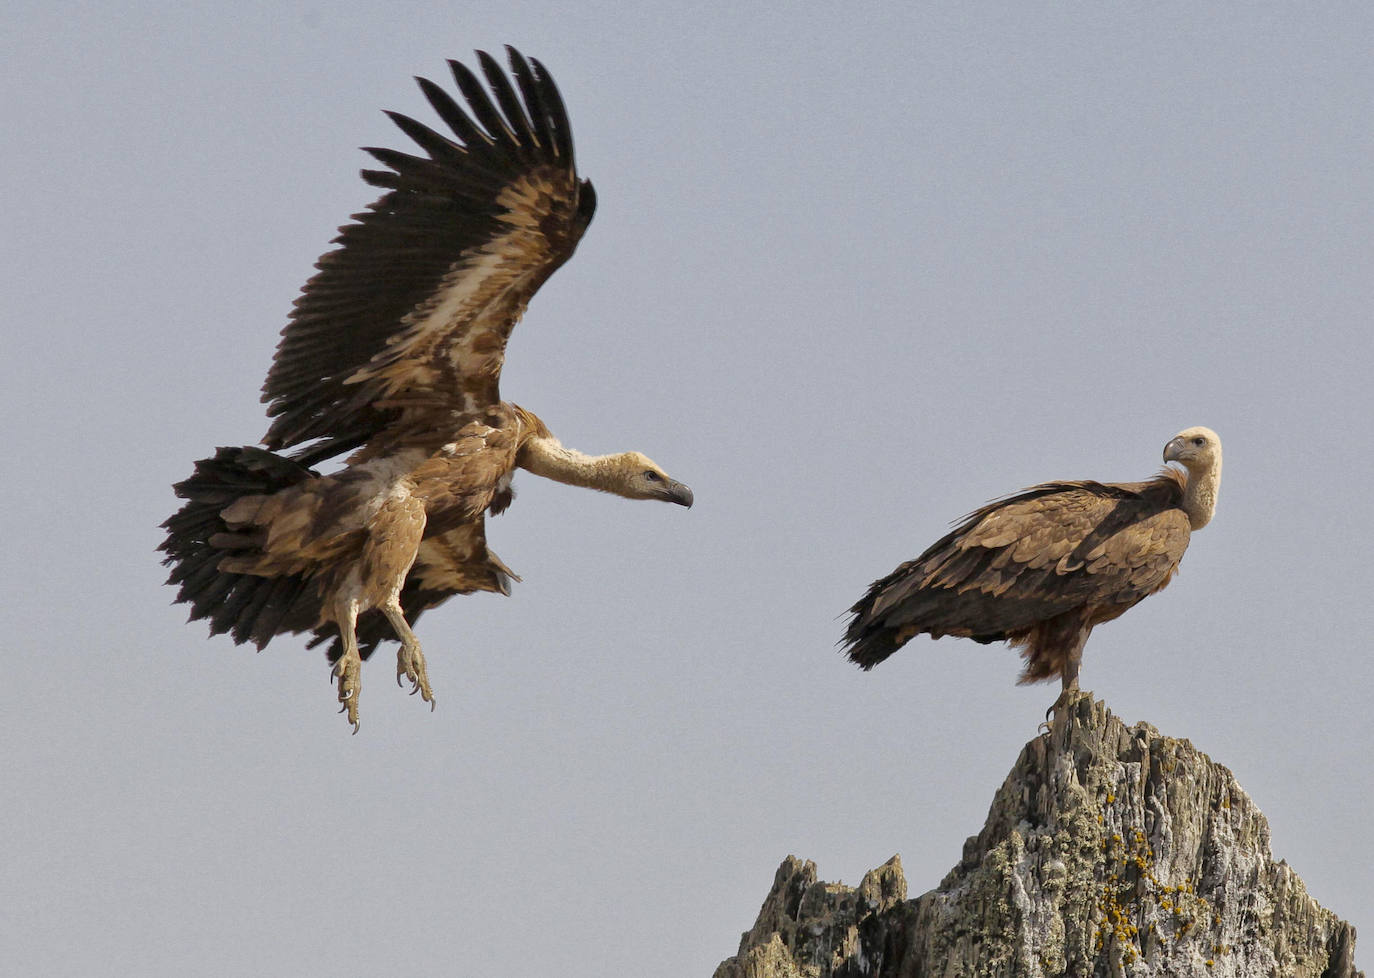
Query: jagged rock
[(1107, 851)]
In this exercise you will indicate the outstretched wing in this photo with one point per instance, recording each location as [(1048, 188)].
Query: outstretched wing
[(456, 562), (1025, 559), (414, 307)]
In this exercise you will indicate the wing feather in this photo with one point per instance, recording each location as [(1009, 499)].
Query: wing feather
[(413, 309), (556, 131), (512, 111), (541, 132), (467, 131), (444, 152), (501, 138)]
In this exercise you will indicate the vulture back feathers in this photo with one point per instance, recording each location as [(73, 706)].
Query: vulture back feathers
[(1041, 568)]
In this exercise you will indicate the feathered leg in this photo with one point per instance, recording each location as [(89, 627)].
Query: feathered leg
[(347, 670), (410, 661), (394, 537)]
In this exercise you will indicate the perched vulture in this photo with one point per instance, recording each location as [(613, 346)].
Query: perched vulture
[(394, 352), (1039, 569)]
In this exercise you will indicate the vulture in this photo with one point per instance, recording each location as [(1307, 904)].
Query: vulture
[(1039, 569), (392, 358)]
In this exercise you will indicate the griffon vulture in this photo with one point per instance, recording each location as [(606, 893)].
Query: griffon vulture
[(1039, 569), (394, 351)]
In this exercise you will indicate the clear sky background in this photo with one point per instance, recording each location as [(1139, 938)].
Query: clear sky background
[(856, 270)]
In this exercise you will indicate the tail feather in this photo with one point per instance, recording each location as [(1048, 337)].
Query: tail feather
[(251, 608), (871, 636), (869, 646), (279, 605)]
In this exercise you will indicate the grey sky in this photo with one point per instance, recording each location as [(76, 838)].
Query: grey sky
[(856, 269)]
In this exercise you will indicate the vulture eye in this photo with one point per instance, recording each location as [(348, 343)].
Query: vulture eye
[(1199, 441), (652, 476)]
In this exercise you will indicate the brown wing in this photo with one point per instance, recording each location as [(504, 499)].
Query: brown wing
[(455, 562), (414, 307), (1022, 560)]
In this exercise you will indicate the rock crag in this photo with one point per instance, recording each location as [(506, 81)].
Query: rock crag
[(1108, 851)]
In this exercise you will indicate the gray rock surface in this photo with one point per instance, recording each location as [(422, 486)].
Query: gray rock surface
[(1109, 850)]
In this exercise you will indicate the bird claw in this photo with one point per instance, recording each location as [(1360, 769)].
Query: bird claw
[(1067, 697), (356, 723), (1047, 725), (410, 663), (347, 672)]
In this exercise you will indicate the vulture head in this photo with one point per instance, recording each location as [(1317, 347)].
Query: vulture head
[(636, 476), (1199, 451)]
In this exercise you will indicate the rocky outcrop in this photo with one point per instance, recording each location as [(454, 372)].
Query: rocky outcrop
[(1109, 850)]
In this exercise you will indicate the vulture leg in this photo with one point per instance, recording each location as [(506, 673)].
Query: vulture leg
[(1069, 674), (1070, 657), (348, 670), (410, 661)]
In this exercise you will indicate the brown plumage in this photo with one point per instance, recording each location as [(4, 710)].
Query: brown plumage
[(394, 350), (1042, 568)]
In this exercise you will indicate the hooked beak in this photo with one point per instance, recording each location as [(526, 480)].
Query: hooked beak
[(1173, 450), (676, 492)]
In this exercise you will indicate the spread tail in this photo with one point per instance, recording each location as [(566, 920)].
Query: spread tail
[(249, 607)]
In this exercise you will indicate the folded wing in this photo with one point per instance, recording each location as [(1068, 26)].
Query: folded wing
[(1060, 548)]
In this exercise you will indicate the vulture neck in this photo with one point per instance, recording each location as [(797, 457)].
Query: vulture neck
[(547, 457), (1200, 496)]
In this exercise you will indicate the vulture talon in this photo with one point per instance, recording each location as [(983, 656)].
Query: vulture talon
[(347, 672)]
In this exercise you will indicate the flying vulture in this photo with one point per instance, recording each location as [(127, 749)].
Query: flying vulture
[(393, 352), (1039, 569)]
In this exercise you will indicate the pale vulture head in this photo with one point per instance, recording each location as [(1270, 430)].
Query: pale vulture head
[(638, 477), (1199, 451)]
